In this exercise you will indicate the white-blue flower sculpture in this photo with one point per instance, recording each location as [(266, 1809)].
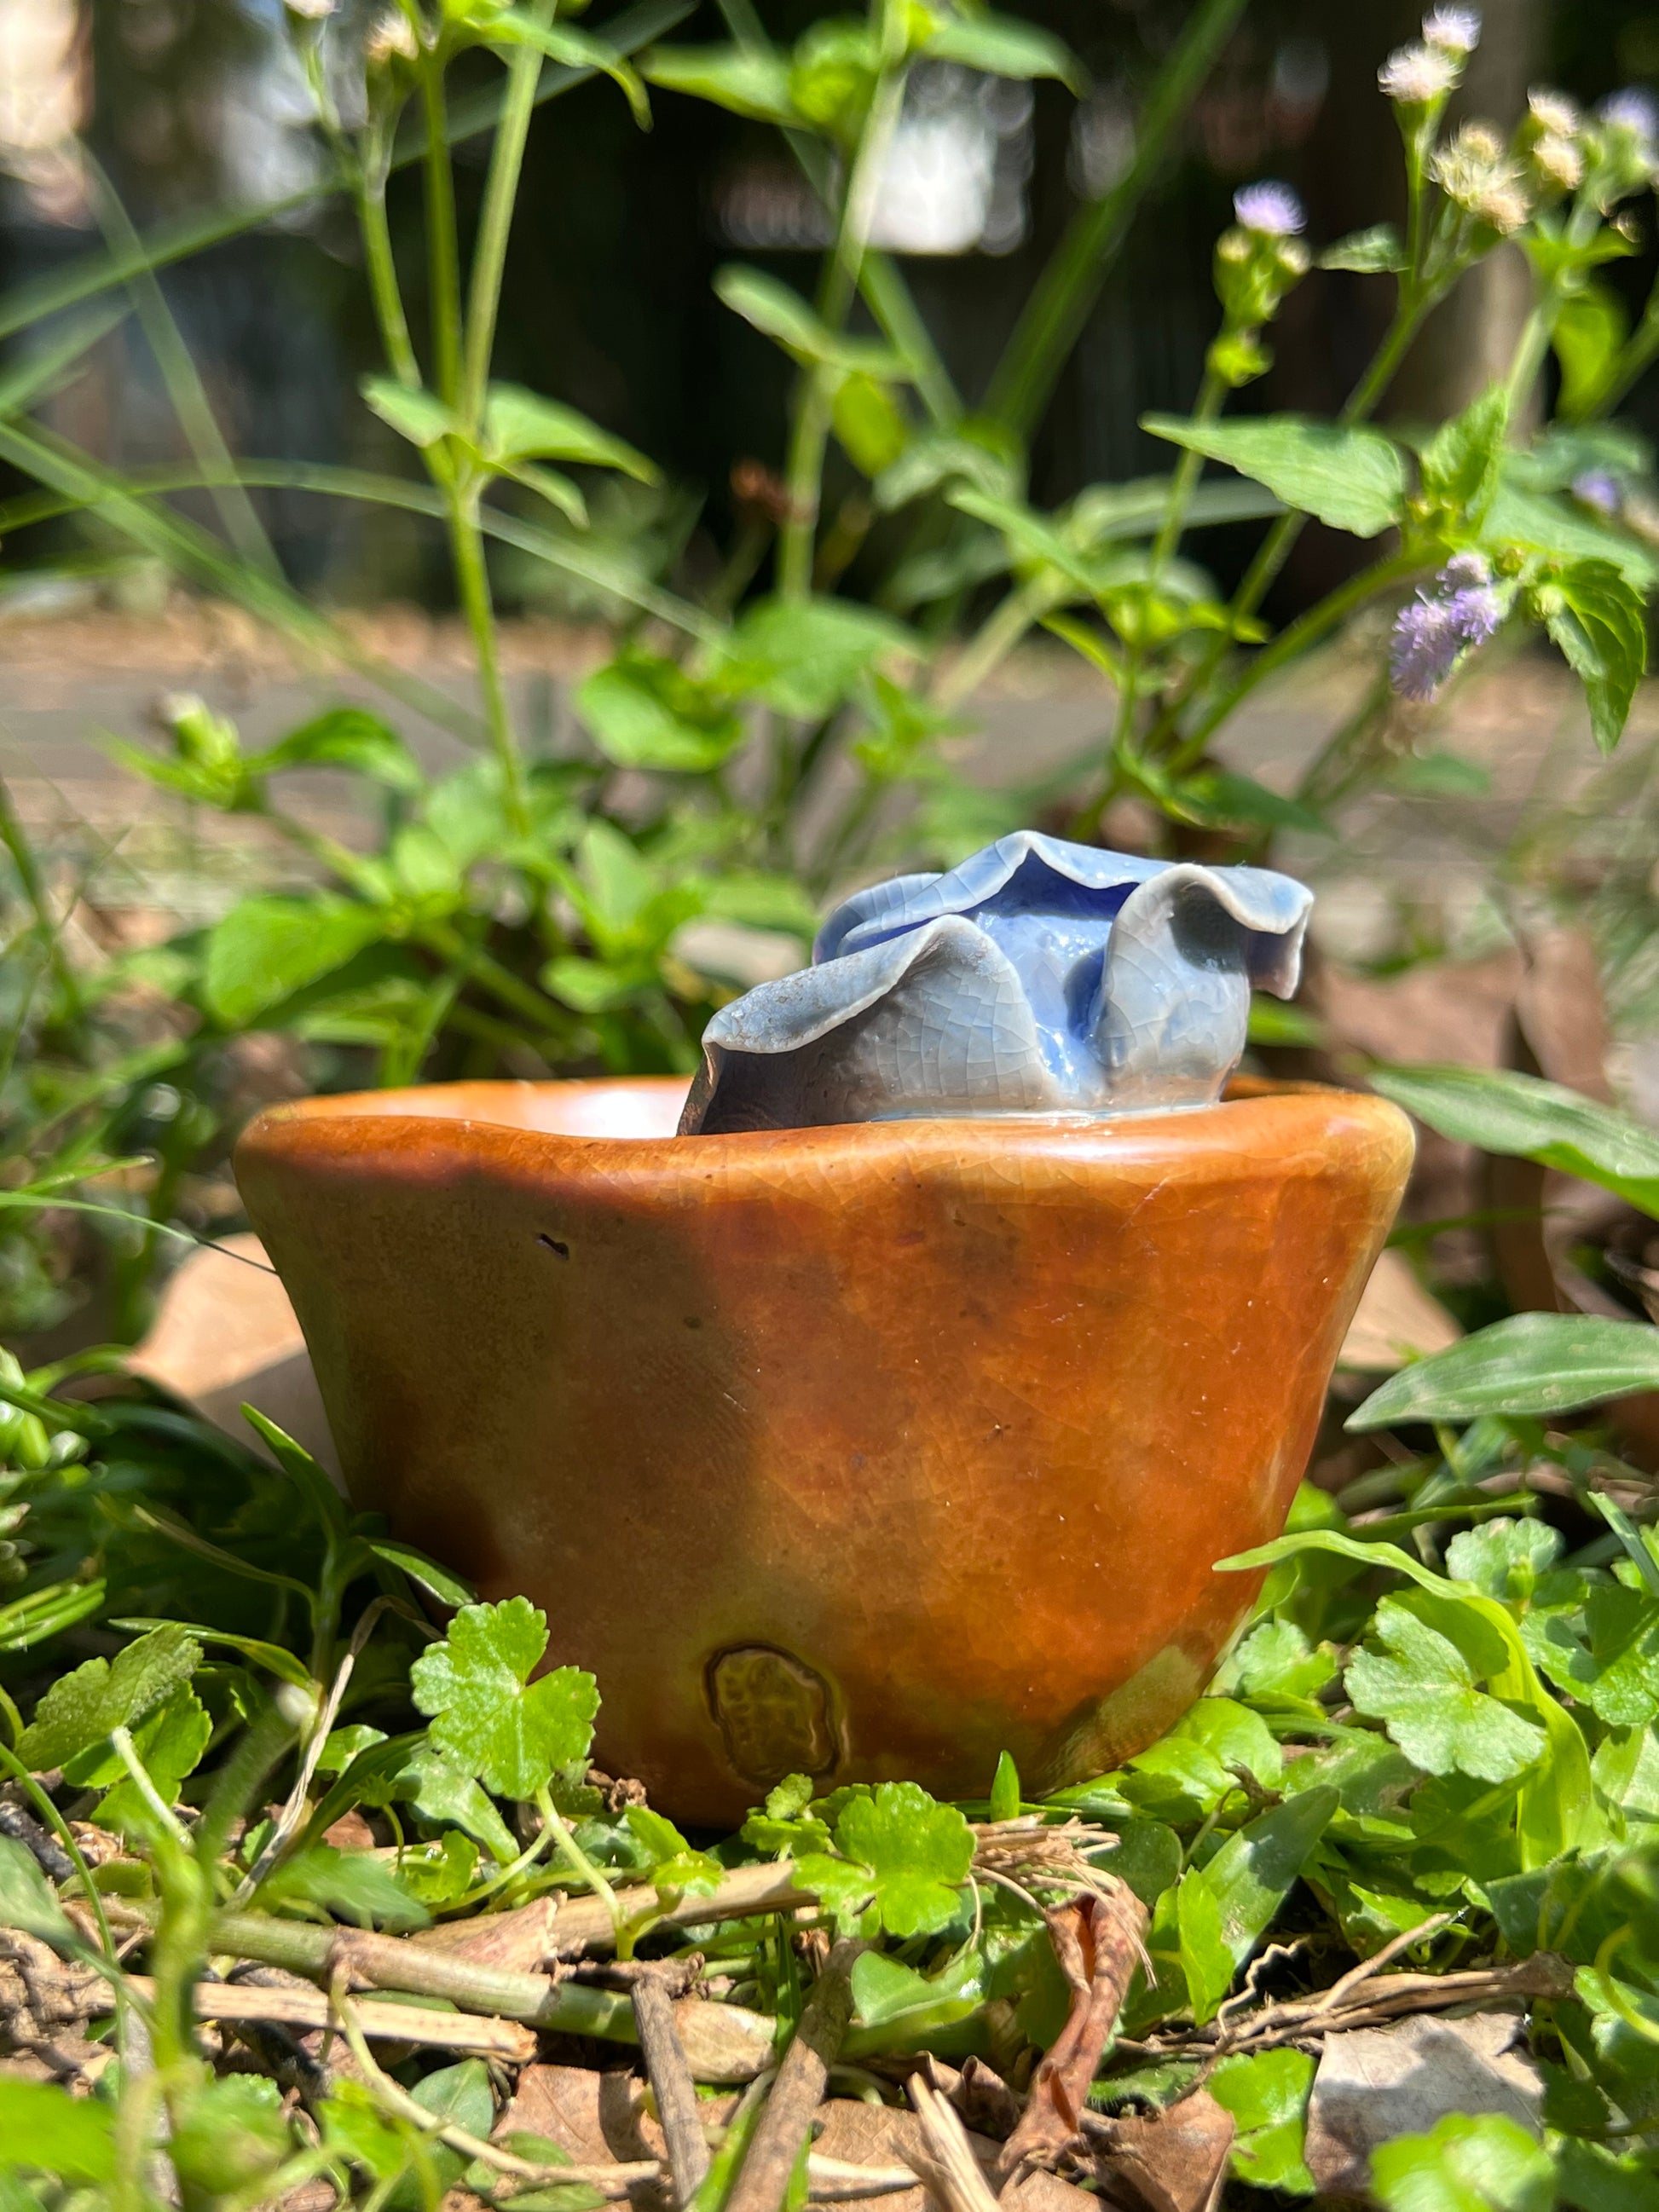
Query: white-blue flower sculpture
[(1037, 977)]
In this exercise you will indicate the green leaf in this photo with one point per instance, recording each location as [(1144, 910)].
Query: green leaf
[(28, 1899), (1250, 1877), (1004, 1790), (1352, 479), (487, 1717), (870, 424), (885, 1989), (309, 1477), (1521, 516), (1422, 1688), (1590, 326), (902, 1853), (1533, 1363), (1276, 1659), (80, 1709), (1459, 465), (1206, 1959), (426, 1574), (1221, 795), (737, 78), (45, 1613), (170, 1744), (574, 49), (441, 1792), (803, 659), (675, 1866), (43, 2129), (348, 737), (1482, 2162), (1267, 2096), (520, 425), (267, 949), (232, 2134), (1002, 46), (1598, 619), (783, 316), (419, 415), (646, 712), (1503, 1559), (1610, 1663), (354, 1886), (1377, 251)]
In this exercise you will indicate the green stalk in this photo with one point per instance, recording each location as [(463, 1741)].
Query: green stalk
[(443, 254), (992, 642), (1211, 394), (489, 253), (1065, 295), (466, 547), (383, 287), (811, 435)]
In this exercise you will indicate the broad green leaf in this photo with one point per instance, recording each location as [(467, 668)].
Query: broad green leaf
[(733, 77), (1592, 2177), (1533, 1363), (1146, 1855), (1590, 326), (231, 2134), (1233, 1735), (427, 1574), (353, 2127), (267, 949), (80, 1708), (487, 1717), (43, 2129), (343, 1744), (419, 415), (1598, 619), (675, 1866), (1251, 1875), (1459, 464), (805, 659), (1503, 1559), (1481, 2162), (904, 1857), (1220, 795), (645, 711), (169, 1743), (1611, 1662), (441, 1792), (1519, 516), (28, 1899), (1353, 479), (1555, 1807), (1206, 1960), (1276, 1659), (783, 316), (1267, 2096), (520, 425), (885, 1989), (348, 737), (1003, 45), (1422, 1688), (1523, 1115), (354, 1886)]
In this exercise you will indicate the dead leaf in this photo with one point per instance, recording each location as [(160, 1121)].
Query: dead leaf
[(1098, 1941), (1396, 1320), (884, 2135), (1375, 2083), (1172, 2162)]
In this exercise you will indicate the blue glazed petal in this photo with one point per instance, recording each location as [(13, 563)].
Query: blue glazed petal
[(1036, 976)]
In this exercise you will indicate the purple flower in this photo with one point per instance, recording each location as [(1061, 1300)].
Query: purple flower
[(1596, 489), (1633, 110), (1271, 210), (1462, 609), (1452, 30)]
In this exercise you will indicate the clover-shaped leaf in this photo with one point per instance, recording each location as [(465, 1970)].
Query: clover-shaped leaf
[(80, 1708), (1424, 1692), (903, 1860), (487, 1717)]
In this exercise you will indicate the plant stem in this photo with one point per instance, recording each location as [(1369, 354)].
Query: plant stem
[(466, 548), (443, 255), (369, 194), (489, 254), (1059, 307), (810, 436), (992, 642)]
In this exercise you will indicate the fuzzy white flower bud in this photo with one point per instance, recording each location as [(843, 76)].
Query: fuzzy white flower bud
[(392, 37), (1452, 30), (1416, 77)]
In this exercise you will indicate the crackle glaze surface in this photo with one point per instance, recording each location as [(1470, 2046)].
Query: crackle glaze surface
[(871, 1450)]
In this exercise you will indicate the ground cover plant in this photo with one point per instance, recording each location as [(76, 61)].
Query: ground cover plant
[(257, 1750)]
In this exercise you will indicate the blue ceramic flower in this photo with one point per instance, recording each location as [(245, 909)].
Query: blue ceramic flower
[(1037, 977)]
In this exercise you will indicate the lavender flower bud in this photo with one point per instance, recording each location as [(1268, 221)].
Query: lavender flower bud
[(1271, 210), (1599, 491), (1452, 30), (1417, 76), (1634, 110), (1465, 570), (1463, 608)]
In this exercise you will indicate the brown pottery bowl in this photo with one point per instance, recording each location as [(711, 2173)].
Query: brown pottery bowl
[(867, 1451)]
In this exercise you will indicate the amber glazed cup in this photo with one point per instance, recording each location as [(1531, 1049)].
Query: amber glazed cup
[(866, 1451)]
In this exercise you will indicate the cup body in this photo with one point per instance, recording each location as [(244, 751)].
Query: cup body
[(867, 1451)]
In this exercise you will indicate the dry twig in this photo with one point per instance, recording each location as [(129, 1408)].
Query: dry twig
[(763, 2178), (676, 2093), (948, 2165)]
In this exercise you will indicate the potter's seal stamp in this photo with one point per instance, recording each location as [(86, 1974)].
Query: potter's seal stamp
[(774, 1712)]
